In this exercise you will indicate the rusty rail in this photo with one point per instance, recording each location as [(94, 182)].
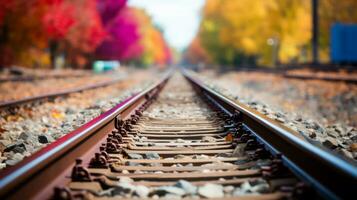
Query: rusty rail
[(35, 78), (35, 176), (119, 136), (333, 177), (340, 78), (52, 95)]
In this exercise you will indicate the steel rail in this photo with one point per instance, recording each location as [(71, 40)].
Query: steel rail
[(35, 176), (346, 79), (13, 103), (35, 78), (331, 176)]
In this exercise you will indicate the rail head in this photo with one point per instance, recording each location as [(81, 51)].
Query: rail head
[(16, 177), (330, 175)]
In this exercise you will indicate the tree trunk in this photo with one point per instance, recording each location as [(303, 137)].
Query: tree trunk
[(53, 47)]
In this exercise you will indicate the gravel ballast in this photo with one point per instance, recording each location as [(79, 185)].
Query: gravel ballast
[(30, 128), (325, 117), (17, 90)]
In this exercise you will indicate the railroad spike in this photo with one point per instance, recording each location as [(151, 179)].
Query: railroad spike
[(245, 137), (99, 161), (127, 125), (275, 170), (118, 137), (103, 152), (251, 145), (80, 173), (112, 148)]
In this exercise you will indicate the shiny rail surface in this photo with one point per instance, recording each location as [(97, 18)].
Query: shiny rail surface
[(180, 139)]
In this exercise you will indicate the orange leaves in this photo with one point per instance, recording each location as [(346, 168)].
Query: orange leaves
[(156, 50), (57, 114), (196, 53), (229, 137)]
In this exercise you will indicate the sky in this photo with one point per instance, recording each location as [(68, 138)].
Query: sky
[(179, 19)]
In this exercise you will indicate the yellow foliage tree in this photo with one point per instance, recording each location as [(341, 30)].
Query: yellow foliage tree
[(245, 26), (232, 30)]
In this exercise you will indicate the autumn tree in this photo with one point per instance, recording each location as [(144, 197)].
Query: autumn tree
[(236, 32), (195, 53), (19, 30), (85, 35), (79, 31), (233, 32), (133, 38)]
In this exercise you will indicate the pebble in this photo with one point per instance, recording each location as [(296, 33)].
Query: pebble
[(2, 165), (208, 139), (24, 136), (245, 187), (152, 155), (44, 139), (70, 111), (260, 188), (125, 179), (239, 150), (330, 142), (180, 140), (132, 163), (353, 147), (186, 186), (172, 196), (2, 147), (142, 191), (11, 162), (211, 191), (354, 137), (135, 156), (164, 190), (241, 162), (200, 157), (15, 158), (18, 147), (265, 162), (345, 153), (228, 189), (179, 156), (120, 189)]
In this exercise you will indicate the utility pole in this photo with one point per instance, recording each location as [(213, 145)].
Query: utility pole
[(315, 31)]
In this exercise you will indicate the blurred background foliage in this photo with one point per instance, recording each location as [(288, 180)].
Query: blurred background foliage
[(74, 33), (260, 32), (45, 33)]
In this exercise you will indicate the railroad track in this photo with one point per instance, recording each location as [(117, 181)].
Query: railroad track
[(325, 74), (311, 76), (35, 78), (48, 96), (173, 141)]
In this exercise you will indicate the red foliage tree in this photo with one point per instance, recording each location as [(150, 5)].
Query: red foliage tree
[(123, 38)]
